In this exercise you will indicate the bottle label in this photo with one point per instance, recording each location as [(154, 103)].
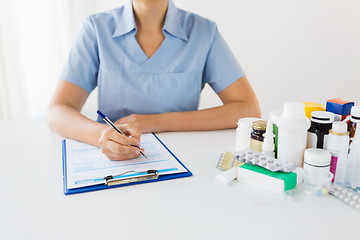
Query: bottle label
[(312, 140), (256, 145), (333, 164), (276, 133)]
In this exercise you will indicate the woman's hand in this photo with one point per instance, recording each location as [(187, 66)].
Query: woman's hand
[(116, 146), (144, 122)]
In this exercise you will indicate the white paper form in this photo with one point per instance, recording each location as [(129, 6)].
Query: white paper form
[(87, 165)]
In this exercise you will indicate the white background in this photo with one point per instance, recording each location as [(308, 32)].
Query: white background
[(291, 50)]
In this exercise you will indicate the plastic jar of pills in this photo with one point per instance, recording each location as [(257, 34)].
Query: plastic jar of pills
[(315, 159)]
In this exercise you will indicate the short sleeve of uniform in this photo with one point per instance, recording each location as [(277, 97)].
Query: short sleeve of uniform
[(221, 67), (82, 66)]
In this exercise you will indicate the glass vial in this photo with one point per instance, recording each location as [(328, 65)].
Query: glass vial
[(257, 138)]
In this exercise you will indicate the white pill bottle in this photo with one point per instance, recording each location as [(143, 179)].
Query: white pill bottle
[(243, 132), (292, 126), (315, 159)]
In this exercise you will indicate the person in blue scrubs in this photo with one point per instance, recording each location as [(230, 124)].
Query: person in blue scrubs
[(150, 61)]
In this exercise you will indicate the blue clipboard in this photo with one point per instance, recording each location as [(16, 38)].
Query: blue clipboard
[(104, 186)]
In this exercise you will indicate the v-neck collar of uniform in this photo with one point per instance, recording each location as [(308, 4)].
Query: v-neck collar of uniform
[(172, 23)]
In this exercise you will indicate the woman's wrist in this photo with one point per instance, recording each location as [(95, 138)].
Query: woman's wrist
[(100, 129), (156, 123), (165, 122)]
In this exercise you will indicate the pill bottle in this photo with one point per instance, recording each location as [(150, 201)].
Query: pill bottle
[(243, 132), (315, 159), (354, 121), (337, 143), (257, 135), (321, 123), (292, 127)]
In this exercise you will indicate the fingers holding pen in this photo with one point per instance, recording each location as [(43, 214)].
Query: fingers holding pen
[(130, 130), (118, 147), (117, 152), (122, 139)]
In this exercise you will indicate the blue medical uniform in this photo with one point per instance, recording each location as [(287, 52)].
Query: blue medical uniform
[(106, 54)]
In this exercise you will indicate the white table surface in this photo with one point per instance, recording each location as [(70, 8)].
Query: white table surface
[(33, 205)]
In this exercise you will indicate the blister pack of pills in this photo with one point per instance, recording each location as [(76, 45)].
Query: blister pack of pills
[(227, 160), (250, 156), (346, 195)]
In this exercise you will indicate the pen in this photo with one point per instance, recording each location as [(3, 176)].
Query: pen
[(110, 123)]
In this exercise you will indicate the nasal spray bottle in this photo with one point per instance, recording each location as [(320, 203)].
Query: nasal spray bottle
[(352, 178), (268, 146), (293, 126)]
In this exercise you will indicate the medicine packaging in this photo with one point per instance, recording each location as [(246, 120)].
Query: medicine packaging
[(227, 161), (346, 195), (252, 157)]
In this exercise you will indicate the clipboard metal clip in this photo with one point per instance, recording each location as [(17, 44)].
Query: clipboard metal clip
[(113, 180)]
